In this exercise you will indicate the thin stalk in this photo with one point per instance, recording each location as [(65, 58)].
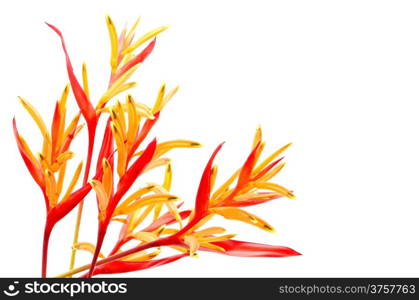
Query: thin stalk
[(80, 209)]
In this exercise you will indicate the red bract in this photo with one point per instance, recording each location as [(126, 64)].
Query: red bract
[(248, 249), (149, 212), (203, 195)]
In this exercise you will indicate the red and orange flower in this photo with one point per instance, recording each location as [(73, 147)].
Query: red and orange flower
[(120, 163)]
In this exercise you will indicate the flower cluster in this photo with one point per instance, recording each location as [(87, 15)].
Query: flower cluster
[(150, 215)]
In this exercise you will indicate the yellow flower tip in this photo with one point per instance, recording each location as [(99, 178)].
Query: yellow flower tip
[(193, 255), (161, 229), (153, 255), (151, 187), (105, 163), (196, 145), (108, 20), (21, 100), (114, 128), (269, 228), (291, 195), (130, 99), (173, 198), (41, 156), (252, 219), (94, 182), (113, 113)]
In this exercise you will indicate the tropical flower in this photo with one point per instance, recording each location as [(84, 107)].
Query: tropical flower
[(149, 214)]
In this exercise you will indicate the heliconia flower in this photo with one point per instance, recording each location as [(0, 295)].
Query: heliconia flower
[(150, 215), (234, 213), (204, 190)]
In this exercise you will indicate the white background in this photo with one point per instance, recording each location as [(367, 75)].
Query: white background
[(340, 79)]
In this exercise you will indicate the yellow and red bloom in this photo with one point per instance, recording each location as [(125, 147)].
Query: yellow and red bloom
[(122, 160)]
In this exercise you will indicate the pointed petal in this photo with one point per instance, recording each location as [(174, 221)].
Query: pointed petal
[(248, 249), (107, 178), (247, 168), (145, 236), (276, 188), (55, 127), (193, 244), (164, 147), (147, 200), (160, 96), (131, 31), (203, 194), (135, 196), (106, 149), (147, 126), (133, 120), (271, 158), (209, 231), (168, 177), (149, 35), (85, 80), (114, 43), (102, 198), (258, 137), (73, 182), (234, 213), (36, 117), (265, 170), (69, 134), (64, 207), (255, 200)]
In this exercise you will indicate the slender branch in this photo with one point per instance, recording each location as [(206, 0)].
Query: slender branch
[(80, 209)]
